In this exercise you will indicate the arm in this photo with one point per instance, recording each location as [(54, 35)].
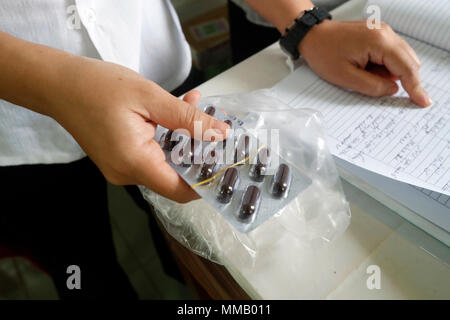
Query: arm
[(280, 13), (29, 72), (110, 110), (351, 55)]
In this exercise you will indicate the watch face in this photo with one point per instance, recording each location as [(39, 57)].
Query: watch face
[(309, 20)]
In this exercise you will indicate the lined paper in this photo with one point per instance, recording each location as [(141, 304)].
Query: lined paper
[(431, 205), (389, 135), (440, 198), (428, 21)]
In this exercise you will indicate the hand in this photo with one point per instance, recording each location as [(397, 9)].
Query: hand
[(351, 55), (112, 112)]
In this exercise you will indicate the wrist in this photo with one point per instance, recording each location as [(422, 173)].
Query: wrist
[(300, 28), (59, 82), (309, 42)]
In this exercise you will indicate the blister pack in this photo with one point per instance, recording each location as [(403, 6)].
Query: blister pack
[(317, 215), (243, 177)]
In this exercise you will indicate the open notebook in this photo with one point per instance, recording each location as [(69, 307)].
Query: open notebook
[(397, 152)]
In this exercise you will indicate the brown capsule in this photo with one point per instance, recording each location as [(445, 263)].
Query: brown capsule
[(166, 142), (228, 185), (228, 122), (258, 171), (242, 148), (208, 169), (210, 110), (281, 181), (250, 203), (187, 153)]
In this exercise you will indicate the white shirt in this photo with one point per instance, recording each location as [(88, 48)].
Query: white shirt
[(144, 35)]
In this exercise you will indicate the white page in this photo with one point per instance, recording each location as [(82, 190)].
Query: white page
[(389, 135), (433, 206), (428, 21)]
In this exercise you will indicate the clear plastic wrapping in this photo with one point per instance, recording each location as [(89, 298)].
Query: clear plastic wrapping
[(316, 216)]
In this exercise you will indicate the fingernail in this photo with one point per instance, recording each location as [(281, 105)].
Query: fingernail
[(426, 98), (393, 89), (429, 101)]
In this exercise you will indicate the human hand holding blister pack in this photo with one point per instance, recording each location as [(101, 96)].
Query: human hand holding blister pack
[(273, 171)]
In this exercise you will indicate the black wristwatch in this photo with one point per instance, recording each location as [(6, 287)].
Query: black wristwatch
[(299, 28)]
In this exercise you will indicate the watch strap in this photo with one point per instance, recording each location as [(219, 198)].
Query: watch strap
[(302, 25)]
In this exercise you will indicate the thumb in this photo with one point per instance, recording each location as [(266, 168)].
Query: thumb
[(182, 114), (368, 83), (192, 97)]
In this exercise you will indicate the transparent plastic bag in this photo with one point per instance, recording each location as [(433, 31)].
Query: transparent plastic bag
[(316, 216)]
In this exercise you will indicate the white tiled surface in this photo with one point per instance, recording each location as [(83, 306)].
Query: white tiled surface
[(404, 274), (377, 236)]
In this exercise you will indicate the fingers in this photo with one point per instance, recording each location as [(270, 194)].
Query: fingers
[(177, 114), (400, 59), (411, 51), (388, 49), (192, 97), (401, 64), (381, 71), (152, 170), (156, 174), (367, 83)]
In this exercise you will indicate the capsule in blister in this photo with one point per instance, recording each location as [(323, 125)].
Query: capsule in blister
[(250, 203), (166, 142), (228, 185), (208, 169), (281, 181), (176, 155), (210, 110), (186, 154), (242, 148), (258, 170), (228, 122)]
